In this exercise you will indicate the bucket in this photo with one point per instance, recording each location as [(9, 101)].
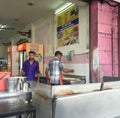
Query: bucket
[(11, 84), (20, 82), (3, 76)]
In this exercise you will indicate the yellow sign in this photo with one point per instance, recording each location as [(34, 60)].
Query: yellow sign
[(67, 26)]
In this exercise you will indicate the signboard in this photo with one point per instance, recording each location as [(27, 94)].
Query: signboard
[(68, 26)]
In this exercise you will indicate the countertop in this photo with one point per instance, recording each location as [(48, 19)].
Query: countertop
[(12, 104), (15, 106)]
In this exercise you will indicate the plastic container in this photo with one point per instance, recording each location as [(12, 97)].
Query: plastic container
[(3, 76)]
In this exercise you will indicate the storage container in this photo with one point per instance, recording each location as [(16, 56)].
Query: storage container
[(3, 76), (11, 84)]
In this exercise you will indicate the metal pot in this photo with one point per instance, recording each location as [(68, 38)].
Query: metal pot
[(26, 86), (11, 84), (20, 82), (15, 83)]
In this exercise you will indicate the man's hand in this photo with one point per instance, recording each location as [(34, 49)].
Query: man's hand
[(48, 80), (22, 73), (71, 70), (38, 80), (38, 77), (66, 70)]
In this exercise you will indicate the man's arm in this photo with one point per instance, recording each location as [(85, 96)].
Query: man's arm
[(22, 73), (66, 70), (38, 72), (38, 77), (47, 75)]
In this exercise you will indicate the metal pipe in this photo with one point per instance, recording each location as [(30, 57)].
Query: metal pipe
[(112, 50), (119, 40)]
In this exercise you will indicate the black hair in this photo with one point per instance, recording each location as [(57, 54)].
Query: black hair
[(31, 52), (58, 52)]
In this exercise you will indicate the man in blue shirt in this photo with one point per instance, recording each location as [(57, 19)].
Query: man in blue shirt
[(31, 68), (54, 69)]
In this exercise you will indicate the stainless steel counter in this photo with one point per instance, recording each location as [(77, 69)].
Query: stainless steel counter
[(102, 104), (15, 107), (85, 101), (6, 94), (16, 104)]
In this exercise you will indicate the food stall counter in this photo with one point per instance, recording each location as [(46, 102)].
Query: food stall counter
[(78, 100), (16, 107)]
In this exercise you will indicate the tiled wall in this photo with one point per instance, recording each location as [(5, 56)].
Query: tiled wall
[(80, 64), (106, 41), (80, 60)]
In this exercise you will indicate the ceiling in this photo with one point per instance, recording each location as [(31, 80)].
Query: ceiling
[(17, 14)]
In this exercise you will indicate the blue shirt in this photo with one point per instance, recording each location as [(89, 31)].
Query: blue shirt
[(55, 66), (30, 70)]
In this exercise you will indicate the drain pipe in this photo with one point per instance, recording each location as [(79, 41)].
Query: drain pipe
[(119, 40), (112, 50)]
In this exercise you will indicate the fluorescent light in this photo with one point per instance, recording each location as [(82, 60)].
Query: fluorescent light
[(67, 5), (117, 1), (3, 26)]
